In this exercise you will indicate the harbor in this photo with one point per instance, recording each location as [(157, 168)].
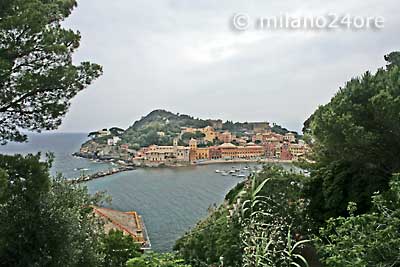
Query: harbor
[(236, 172)]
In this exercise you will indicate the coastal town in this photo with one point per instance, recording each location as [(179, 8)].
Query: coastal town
[(207, 145)]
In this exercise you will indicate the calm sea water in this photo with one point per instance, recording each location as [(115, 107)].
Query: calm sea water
[(62, 146), (171, 200)]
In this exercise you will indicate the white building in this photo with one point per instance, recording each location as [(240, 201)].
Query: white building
[(163, 153), (113, 141)]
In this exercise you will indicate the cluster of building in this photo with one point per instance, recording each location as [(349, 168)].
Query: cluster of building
[(193, 153), (257, 144)]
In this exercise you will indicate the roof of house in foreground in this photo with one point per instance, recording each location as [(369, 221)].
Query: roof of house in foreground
[(130, 223)]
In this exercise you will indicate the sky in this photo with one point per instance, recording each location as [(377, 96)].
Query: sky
[(188, 58)]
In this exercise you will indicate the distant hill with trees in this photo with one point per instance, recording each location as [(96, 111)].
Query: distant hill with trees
[(161, 127)]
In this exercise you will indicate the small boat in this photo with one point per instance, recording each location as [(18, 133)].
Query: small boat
[(217, 171), (241, 175), (232, 171), (235, 174), (224, 173)]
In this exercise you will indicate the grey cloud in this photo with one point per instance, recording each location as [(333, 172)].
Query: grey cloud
[(183, 56)]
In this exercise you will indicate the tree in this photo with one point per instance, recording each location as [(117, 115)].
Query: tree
[(188, 136), (44, 221), (393, 59), (118, 248), (199, 135), (371, 239), (116, 131), (37, 76), (357, 139)]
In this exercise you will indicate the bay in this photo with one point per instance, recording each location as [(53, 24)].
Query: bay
[(171, 200)]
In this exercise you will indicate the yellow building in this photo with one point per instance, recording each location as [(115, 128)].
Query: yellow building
[(208, 131), (210, 134), (202, 153), (193, 144), (297, 150), (290, 137)]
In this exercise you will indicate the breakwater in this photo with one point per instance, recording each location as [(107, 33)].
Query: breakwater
[(101, 174)]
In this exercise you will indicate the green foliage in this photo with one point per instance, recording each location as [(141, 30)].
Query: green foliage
[(211, 239), (116, 131), (393, 59), (44, 221), (118, 248), (279, 129), (272, 216), (37, 77), (371, 239), (144, 131), (156, 260), (196, 135), (356, 142), (3, 185), (229, 231)]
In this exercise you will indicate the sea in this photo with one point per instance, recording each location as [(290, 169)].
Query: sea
[(170, 200)]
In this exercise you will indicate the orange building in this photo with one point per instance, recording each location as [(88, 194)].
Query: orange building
[(229, 150), (202, 153), (197, 153)]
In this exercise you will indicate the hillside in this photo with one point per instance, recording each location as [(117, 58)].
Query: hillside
[(161, 127)]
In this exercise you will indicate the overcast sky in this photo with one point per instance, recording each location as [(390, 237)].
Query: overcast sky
[(183, 56)]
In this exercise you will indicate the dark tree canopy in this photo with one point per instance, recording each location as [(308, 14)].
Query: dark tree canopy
[(393, 60), (45, 221), (37, 76), (357, 139), (119, 248)]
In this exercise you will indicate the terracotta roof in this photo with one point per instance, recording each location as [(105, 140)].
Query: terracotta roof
[(128, 222)]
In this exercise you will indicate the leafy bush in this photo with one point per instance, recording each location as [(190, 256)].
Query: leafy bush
[(371, 239), (118, 248), (235, 232), (45, 221), (268, 235), (156, 260)]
